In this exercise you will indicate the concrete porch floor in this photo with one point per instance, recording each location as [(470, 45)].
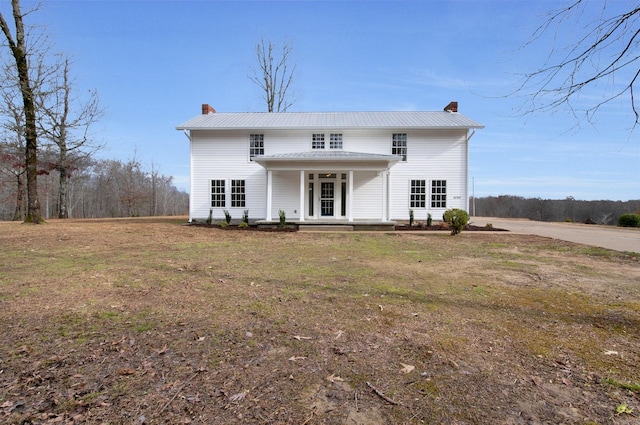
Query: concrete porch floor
[(331, 225)]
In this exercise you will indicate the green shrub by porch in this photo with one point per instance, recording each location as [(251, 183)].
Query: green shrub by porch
[(457, 219)]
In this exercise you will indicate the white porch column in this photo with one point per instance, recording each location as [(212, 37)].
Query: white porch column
[(269, 193), (301, 195), (385, 196), (350, 197)]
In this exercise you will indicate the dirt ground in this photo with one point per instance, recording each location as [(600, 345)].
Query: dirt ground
[(149, 321)]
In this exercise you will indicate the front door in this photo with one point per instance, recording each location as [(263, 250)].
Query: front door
[(327, 193)]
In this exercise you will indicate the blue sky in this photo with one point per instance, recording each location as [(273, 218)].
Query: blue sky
[(154, 63)]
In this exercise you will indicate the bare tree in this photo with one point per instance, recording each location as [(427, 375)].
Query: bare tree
[(604, 57), (19, 51), (65, 121), (12, 148), (274, 74)]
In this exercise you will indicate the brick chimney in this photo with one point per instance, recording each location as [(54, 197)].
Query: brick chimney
[(207, 109), (451, 107)]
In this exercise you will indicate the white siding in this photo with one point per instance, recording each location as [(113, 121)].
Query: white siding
[(367, 195), (431, 154), (286, 194), (225, 156)]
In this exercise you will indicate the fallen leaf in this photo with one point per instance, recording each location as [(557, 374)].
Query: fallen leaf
[(407, 368), (610, 353), (333, 378), (25, 349), (567, 382), (239, 396), (295, 358), (126, 372), (380, 307), (339, 334)]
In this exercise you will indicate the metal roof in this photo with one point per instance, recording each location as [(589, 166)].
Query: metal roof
[(321, 155), (328, 120)]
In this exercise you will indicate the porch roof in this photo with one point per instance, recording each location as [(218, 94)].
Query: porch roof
[(326, 157)]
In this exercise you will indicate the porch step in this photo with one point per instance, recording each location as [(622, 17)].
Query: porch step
[(325, 228)]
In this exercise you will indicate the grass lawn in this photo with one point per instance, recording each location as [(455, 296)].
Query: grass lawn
[(148, 321)]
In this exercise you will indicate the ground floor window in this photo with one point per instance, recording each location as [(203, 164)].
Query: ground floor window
[(438, 194), (217, 194), (237, 193), (418, 191)]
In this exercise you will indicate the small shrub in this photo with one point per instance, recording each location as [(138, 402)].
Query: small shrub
[(245, 216), (227, 216), (210, 218), (411, 218), (429, 219), (457, 219), (629, 220), (243, 225), (223, 224), (283, 218)]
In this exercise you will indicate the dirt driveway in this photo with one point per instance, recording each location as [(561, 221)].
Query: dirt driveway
[(616, 238)]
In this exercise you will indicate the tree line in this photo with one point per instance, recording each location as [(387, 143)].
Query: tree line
[(95, 188), (568, 209), (47, 165)]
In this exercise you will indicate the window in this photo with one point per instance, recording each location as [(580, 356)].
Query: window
[(237, 194), (256, 145), (217, 194), (399, 145), (438, 194), (317, 141), (335, 141), (418, 198)]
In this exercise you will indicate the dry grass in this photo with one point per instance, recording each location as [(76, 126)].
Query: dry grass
[(118, 321)]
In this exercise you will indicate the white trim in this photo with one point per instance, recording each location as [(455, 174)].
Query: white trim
[(191, 182), (302, 197), (269, 193), (385, 196), (350, 197)]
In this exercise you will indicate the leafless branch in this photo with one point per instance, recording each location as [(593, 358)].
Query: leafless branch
[(606, 52), (274, 75)]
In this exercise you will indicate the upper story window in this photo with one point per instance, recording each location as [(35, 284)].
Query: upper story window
[(317, 141), (256, 145), (335, 141), (399, 145)]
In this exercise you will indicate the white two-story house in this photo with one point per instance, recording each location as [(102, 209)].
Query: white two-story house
[(325, 167)]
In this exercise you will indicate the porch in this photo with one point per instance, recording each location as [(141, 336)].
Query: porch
[(331, 225), (329, 188)]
